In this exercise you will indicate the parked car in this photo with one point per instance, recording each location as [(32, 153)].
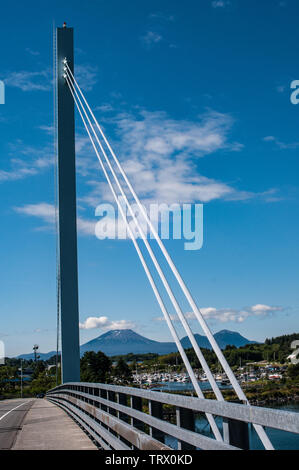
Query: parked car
[(40, 395)]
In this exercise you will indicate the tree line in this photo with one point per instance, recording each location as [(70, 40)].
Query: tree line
[(99, 368)]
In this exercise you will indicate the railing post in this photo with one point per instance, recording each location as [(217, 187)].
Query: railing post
[(112, 397), (121, 398), (136, 404), (185, 419), (236, 433), (90, 392), (103, 394), (156, 410)]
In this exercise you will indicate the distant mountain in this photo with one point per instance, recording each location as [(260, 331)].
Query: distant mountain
[(232, 338), (223, 338), (119, 342), (43, 356), (202, 342)]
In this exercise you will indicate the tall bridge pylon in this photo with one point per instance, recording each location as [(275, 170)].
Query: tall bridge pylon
[(67, 224)]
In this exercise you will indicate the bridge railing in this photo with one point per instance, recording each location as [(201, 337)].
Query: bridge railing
[(126, 418)]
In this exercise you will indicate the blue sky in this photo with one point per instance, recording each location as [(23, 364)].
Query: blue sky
[(216, 73)]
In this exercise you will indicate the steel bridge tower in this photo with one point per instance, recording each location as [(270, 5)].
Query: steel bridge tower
[(67, 218)]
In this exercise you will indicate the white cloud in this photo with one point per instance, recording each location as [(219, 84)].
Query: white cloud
[(85, 226), (29, 161), (261, 309), (32, 52), (48, 129), (86, 76), (86, 160), (151, 38), (104, 108), (280, 144), (105, 324), (42, 210), (32, 160), (220, 3), (43, 81), (159, 155), (162, 16), (46, 212), (280, 88), (225, 315), (29, 81), (16, 174)]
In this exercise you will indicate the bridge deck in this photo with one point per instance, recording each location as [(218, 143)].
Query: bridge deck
[(47, 427)]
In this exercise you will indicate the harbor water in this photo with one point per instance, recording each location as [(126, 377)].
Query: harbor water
[(281, 440)]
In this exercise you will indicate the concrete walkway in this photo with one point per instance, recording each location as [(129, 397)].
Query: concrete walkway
[(47, 427)]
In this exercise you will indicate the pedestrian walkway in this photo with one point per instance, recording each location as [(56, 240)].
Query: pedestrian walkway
[(48, 427)]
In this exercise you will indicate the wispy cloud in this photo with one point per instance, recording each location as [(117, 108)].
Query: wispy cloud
[(86, 76), (32, 52), (220, 3), (27, 160), (151, 38), (280, 144), (158, 30), (162, 16), (48, 129), (280, 88), (16, 174), (30, 161), (105, 324), (160, 153), (29, 81), (104, 108), (42, 80), (42, 210), (225, 315), (86, 162), (46, 212)]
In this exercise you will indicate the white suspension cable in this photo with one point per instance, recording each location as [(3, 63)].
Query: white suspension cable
[(241, 395), (198, 390), (172, 297), (182, 284)]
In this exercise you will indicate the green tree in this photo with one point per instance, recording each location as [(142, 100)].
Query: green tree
[(122, 371), (39, 367), (293, 371), (4, 377), (95, 367), (42, 383)]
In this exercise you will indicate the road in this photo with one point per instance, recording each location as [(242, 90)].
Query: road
[(12, 413)]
